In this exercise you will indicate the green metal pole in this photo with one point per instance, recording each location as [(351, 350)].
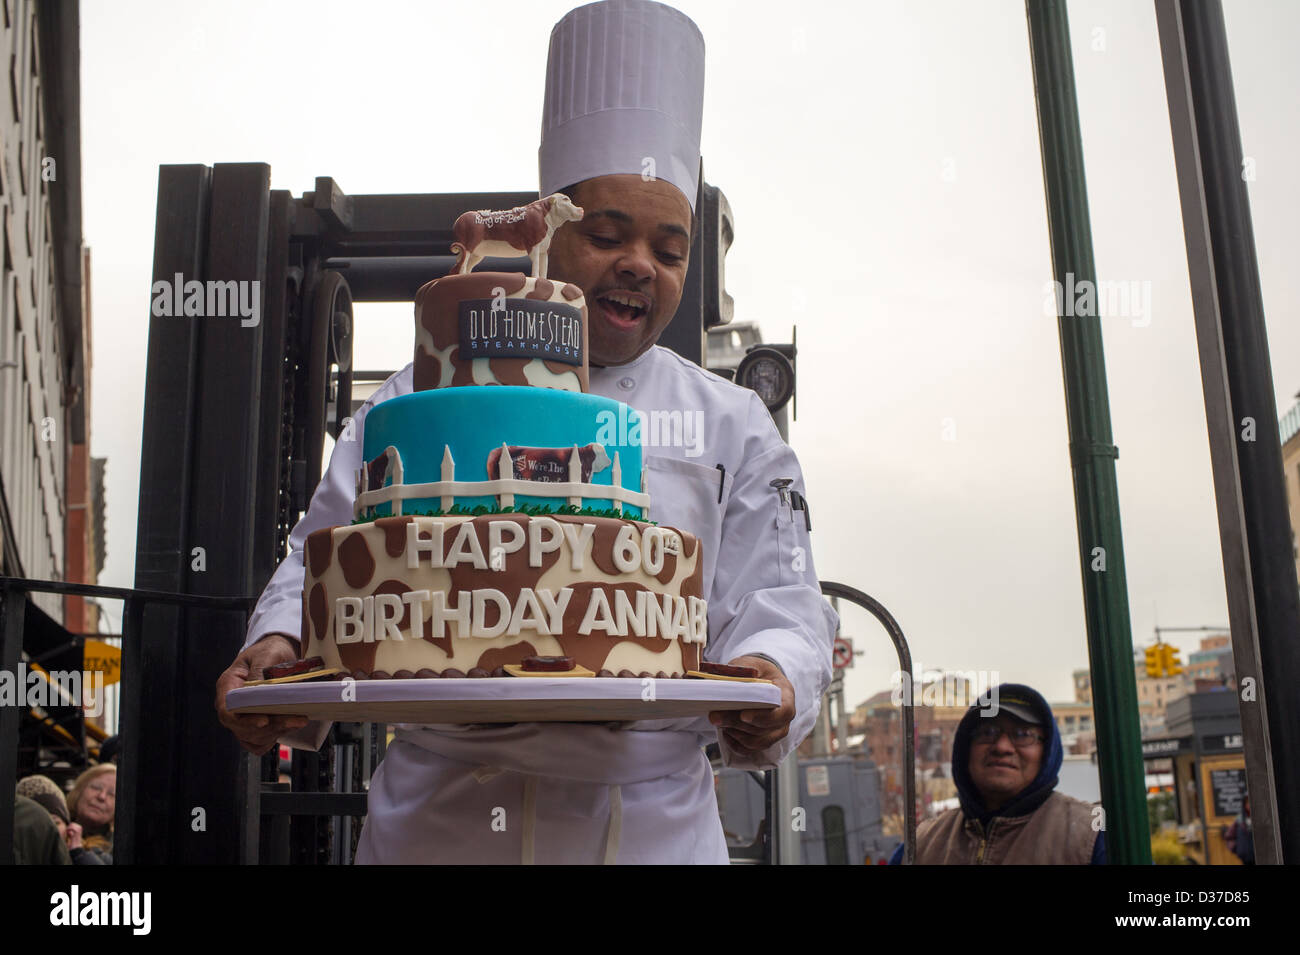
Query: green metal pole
[(1092, 451)]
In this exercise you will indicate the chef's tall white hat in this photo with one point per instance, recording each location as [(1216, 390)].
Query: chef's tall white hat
[(624, 94)]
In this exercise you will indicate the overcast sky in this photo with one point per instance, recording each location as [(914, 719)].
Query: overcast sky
[(882, 163)]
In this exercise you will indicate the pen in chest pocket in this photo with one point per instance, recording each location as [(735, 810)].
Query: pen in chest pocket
[(800, 503)]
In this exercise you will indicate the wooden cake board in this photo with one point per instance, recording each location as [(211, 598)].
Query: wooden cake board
[(502, 699)]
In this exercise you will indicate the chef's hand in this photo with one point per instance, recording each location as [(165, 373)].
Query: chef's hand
[(255, 733), (749, 732)]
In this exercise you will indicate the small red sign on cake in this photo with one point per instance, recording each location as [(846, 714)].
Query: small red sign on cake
[(549, 464)]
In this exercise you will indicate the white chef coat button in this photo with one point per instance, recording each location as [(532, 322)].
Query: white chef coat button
[(627, 384)]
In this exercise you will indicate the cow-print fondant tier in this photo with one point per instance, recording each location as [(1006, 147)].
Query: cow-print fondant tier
[(465, 596), (500, 328)]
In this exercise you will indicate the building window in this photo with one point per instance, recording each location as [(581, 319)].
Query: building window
[(835, 836)]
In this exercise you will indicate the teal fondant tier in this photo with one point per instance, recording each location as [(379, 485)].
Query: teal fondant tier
[(474, 421)]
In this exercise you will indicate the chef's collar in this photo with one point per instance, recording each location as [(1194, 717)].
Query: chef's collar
[(643, 357)]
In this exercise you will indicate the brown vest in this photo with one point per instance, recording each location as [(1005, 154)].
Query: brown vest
[(1059, 832)]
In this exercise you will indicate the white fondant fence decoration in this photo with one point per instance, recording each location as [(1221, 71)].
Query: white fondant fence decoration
[(393, 469), (448, 476), (575, 474), (505, 471), (503, 488)]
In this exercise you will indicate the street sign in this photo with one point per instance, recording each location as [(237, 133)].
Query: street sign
[(842, 654), (818, 780), (1153, 748), (105, 657)]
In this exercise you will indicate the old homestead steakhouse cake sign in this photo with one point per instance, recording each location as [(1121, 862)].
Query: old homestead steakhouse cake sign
[(489, 328)]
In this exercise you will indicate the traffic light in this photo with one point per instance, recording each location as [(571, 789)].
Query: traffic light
[(1169, 661), (1155, 660)]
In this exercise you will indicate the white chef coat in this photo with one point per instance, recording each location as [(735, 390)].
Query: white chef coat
[(632, 793)]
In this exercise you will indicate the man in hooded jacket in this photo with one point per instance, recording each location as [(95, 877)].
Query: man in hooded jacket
[(1005, 759)]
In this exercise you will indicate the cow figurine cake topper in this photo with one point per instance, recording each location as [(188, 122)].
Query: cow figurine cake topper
[(523, 230)]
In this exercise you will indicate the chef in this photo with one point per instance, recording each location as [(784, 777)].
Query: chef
[(621, 136)]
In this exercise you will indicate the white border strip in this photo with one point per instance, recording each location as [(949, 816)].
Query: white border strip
[(613, 492)]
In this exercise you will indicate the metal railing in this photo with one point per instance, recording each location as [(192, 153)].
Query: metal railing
[(13, 611), (270, 801), (877, 609)]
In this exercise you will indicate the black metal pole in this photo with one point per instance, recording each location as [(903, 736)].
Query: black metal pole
[(133, 804), (163, 548), (1241, 415), (229, 407), (13, 608)]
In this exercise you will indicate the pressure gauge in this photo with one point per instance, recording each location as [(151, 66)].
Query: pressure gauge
[(767, 372)]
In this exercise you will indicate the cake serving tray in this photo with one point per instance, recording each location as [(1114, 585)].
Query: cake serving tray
[(502, 699)]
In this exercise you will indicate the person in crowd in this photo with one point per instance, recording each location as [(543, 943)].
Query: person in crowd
[(1005, 758), (1240, 837), (110, 750), (92, 804), (46, 792), (36, 840)]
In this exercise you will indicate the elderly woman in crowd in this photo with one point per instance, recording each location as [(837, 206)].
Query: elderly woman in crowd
[(91, 804)]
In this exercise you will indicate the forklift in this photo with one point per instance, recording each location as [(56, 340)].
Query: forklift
[(236, 415)]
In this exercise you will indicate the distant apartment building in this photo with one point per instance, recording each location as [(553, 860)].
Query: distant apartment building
[(1289, 432), (50, 490), (1074, 721), (1211, 667), (1220, 641), (940, 702), (1077, 725), (1162, 690), (1082, 686)]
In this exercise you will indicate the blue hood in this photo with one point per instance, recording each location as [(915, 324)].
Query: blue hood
[(1033, 795)]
